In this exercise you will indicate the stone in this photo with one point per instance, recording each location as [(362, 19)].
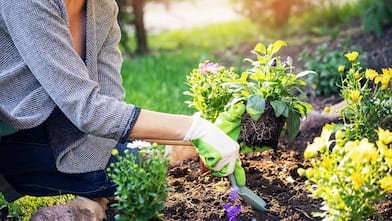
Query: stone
[(80, 209)]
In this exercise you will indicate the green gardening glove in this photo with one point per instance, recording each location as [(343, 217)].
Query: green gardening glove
[(230, 123), (219, 152)]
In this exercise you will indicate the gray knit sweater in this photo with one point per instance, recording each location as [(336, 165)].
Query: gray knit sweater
[(43, 80)]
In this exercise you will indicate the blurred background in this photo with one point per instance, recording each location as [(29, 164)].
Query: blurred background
[(163, 40)]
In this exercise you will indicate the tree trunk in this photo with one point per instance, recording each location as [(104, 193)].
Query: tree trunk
[(141, 35)]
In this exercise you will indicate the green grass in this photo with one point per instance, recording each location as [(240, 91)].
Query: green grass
[(157, 81)]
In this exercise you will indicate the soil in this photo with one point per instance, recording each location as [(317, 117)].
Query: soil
[(272, 174)]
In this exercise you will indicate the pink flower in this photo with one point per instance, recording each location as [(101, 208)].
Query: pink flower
[(209, 68)]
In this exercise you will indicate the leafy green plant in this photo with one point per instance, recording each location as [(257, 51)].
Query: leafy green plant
[(270, 79), (367, 94), (353, 171), (141, 186), (324, 62), (205, 88), (349, 176)]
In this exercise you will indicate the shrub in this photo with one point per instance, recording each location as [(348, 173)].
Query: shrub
[(367, 94), (353, 171), (350, 177), (141, 186)]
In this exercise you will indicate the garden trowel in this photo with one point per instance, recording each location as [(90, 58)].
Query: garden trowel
[(248, 195)]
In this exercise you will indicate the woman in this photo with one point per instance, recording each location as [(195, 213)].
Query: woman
[(61, 102)]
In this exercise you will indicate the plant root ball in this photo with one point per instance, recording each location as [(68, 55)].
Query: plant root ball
[(264, 132)]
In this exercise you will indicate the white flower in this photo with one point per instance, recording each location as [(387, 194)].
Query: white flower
[(138, 144)]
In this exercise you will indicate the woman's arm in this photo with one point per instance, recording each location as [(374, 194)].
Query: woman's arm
[(156, 125)]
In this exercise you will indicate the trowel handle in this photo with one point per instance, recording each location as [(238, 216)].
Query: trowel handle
[(233, 182)]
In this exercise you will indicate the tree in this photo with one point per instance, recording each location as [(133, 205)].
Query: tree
[(131, 12)]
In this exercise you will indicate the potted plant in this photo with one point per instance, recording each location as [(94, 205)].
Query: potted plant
[(271, 92)]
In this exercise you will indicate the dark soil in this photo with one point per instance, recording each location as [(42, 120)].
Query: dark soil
[(271, 174)]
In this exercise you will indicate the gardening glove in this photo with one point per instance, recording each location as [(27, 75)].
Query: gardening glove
[(218, 151), (230, 121)]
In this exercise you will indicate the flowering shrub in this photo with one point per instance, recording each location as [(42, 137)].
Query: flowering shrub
[(349, 176), (351, 172), (209, 97), (367, 94), (141, 186)]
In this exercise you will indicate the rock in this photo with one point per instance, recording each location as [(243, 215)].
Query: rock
[(54, 213), (316, 120), (80, 209), (89, 210)]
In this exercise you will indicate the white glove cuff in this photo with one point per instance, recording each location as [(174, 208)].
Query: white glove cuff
[(195, 130)]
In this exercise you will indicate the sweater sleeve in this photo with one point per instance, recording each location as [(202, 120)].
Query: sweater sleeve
[(109, 75), (40, 32)]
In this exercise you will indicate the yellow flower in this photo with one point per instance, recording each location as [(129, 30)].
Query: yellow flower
[(355, 95), (352, 56), (357, 75), (371, 74), (378, 79), (363, 151), (319, 144), (301, 171), (339, 135), (341, 68), (326, 163), (309, 172), (327, 109), (384, 84), (387, 72), (385, 136), (310, 152), (358, 180), (114, 152), (386, 183)]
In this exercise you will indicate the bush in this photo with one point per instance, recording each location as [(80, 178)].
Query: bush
[(141, 186), (353, 171)]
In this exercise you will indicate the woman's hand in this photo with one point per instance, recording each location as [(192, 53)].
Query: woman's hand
[(219, 152)]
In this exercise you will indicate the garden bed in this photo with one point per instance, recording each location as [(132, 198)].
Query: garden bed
[(271, 174)]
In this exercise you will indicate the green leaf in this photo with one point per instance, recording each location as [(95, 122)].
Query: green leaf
[(293, 123), (260, 48), (279, 107), (255, 106), (277, 46), (262, 59)]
